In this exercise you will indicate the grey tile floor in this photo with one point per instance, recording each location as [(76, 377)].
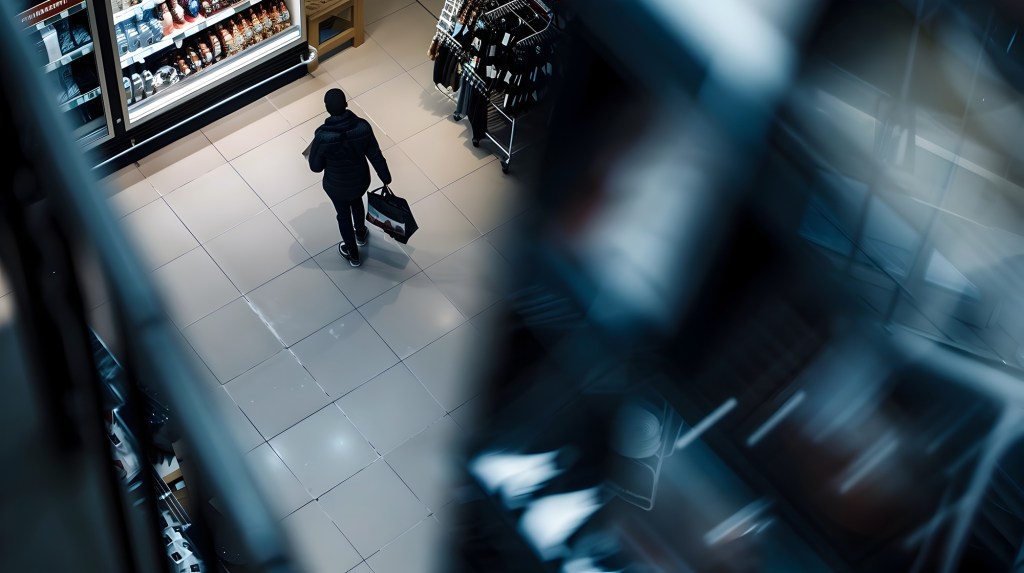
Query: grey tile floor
[(350, 389)]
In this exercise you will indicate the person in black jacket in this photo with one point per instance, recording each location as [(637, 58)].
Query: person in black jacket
[(340, 149)]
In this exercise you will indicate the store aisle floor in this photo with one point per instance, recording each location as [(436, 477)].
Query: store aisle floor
[(349, 388)]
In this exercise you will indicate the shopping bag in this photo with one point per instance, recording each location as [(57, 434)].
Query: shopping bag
[(391, 214)]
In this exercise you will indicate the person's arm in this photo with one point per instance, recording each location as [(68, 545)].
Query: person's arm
[(376, 157), (317, 161)]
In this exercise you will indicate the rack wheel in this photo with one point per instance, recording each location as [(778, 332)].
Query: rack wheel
[(476, 143), (456, 117), (504, 166)]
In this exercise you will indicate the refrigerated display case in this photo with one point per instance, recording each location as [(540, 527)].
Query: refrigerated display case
[(64, 33), (169, 52), (134, 75)]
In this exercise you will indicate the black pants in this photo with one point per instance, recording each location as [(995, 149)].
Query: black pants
[(350, 212)]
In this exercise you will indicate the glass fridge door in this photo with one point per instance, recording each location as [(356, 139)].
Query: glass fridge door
[(173, 50), (62, 32)]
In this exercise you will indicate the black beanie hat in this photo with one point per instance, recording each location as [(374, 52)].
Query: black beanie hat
[(335, 101)]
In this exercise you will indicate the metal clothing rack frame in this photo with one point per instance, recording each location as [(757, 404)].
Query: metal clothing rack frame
[(447, 24)]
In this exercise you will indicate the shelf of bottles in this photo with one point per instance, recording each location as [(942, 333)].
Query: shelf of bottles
[(60, 32), (163, 44)]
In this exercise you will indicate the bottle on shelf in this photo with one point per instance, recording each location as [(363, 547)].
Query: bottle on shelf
[(268, 21), (177, 13), (129, 97), (286, 17), (246, 31), (276, 15), (256, 23), (149, 14), (146, 33), (184, 70), (138, 84), (148, 87), (132, 33), (227, 40), (122, 39), (190, 10), (194, 61), (237, 38), (166, 19), (205, 52), (213, 40)]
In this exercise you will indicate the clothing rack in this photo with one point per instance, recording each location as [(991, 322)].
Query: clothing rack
[(500, 119)]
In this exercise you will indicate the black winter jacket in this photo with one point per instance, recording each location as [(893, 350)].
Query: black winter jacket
[(340, 149)]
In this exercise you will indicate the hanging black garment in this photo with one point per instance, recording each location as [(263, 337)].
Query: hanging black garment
[(443, 52), (465, 92), (479, 117), (450, 76)]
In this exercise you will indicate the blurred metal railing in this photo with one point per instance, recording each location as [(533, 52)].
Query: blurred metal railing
[(52, 212)]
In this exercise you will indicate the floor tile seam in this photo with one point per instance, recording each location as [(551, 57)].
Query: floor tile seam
[(433, 340), (251, 368), (394, 56), (292, 126), (389, 451), (223, 272), (380, 550), (343, 535), (218, 235), (183, 327), (266, 440), (378, 375), (247, 418), (119, 215), (465, 317), (428, 10), (407, 6), (507, 258), (343, 482), (306, 417), (463, 213), (465, 427), (291, 350), (181, 332), (313, 500), (490, 159), (264, 283), (262, 362), (398, 143), (423, 382), (236, 225), (197, 176), (367, 23), (200, 245), (367, 381), (292, 473), (416, 435), (358, 429), (352, 95), (203, 130), (267, 323), (190, 233)]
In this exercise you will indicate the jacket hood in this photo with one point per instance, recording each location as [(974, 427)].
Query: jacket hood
[(341, 122)]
